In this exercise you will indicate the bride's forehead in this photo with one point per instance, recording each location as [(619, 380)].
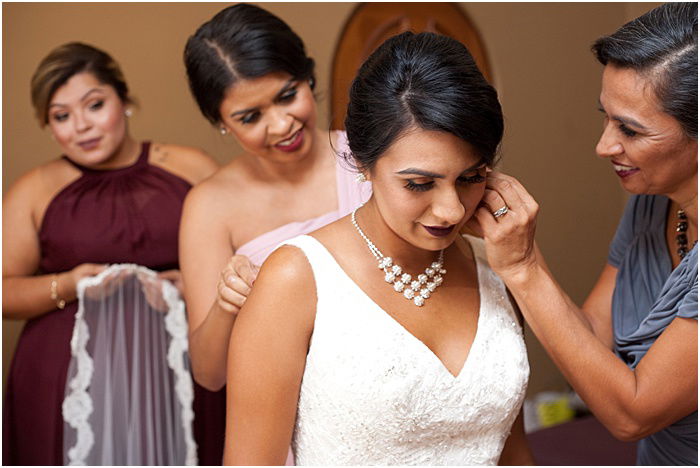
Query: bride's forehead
[(430, 150)]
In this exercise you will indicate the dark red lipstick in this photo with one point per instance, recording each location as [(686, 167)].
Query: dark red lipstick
[(439, 231)]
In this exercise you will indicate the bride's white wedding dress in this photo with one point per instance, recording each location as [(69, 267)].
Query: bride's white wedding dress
[(373, 394)]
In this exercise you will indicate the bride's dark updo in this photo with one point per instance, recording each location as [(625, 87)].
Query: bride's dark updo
[(425, 81)]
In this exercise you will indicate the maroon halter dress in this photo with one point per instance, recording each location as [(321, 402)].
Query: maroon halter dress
[(126, 215)]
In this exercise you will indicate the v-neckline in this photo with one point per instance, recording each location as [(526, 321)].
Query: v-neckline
[(403, 329)]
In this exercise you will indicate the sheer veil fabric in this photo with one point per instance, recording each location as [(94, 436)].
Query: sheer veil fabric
[(129, 391)]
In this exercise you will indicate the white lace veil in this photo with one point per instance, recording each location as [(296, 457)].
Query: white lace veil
[(129, 390)]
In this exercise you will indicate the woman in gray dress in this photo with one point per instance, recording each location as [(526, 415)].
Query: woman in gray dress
[(631, 350)]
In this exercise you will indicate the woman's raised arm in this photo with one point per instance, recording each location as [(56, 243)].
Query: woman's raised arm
[(630, 403), (205, 248)]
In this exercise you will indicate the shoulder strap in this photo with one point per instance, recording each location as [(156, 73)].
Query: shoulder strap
[(327, 273)]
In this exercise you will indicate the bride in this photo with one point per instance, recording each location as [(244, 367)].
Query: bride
[(384, 337)]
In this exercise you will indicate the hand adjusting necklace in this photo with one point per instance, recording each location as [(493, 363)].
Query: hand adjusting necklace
[(419, 289), (681, 236)]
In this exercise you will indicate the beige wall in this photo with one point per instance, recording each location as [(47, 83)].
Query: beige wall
[(547, 79)]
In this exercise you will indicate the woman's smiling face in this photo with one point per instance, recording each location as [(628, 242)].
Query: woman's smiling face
[(647, 147), (272, 117)]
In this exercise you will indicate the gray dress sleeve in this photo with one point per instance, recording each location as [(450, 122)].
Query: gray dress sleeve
[(624, 234), (649, 294), (689, 306)]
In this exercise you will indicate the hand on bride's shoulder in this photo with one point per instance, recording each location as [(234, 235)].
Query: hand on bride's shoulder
[(284, 290)]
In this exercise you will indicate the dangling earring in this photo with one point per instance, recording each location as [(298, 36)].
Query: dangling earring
[(360, 177), (128, 113), (222, 130)]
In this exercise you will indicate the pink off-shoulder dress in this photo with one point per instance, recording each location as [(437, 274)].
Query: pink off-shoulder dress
[(351, 194)]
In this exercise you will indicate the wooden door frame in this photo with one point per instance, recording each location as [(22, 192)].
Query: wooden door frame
[(346, 59)]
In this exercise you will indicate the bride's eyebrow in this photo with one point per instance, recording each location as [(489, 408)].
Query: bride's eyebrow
[(420, 172), (434, 175)]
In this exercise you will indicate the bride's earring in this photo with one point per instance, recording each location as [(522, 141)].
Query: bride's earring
[(360, 177)]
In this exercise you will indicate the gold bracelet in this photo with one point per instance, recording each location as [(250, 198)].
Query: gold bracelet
[(60, 303)]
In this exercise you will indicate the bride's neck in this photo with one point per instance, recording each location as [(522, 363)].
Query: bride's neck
[(411, 258)]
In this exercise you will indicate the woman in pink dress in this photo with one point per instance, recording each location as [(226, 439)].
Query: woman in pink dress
[(251, 77), (109, 199)]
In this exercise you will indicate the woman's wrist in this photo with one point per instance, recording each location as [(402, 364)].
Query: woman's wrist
[(54, 294), (518, 276), (221, 317)]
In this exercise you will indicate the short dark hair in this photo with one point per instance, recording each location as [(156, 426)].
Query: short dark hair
[(425, 81), (663, 45), (241, 42), (67, 60)]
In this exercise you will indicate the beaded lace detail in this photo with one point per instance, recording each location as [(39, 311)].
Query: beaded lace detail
[(373, 394)]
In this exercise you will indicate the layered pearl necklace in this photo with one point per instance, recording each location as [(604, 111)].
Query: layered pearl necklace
[(418, 290)]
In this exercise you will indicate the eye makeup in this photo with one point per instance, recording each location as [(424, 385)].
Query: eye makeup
[(463, 179)]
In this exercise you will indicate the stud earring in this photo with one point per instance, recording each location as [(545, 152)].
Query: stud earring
[(128, 113), (223, 130), (360, 177)]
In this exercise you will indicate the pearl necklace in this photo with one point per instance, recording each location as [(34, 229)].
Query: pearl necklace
[(418, 290)]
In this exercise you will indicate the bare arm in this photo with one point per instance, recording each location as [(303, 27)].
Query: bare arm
[(211, 286), (27, 296), (631, 403), (266, 362), (516, 450), (597, 308)]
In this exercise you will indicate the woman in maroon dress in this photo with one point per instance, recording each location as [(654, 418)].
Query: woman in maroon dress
[(109, 199)]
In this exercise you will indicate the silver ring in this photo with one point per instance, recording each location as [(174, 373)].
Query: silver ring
[(500, 212)]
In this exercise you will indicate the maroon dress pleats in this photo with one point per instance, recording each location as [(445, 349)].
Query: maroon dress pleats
[(127, 215)]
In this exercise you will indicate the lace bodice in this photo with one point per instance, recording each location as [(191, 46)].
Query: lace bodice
[(373, 394)]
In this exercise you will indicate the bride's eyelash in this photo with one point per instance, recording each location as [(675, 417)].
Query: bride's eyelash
[(410, 185), (475, 179), (464, 180)]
